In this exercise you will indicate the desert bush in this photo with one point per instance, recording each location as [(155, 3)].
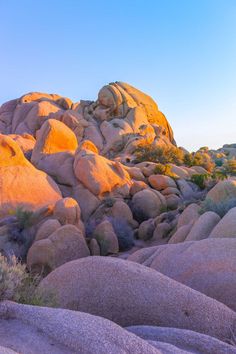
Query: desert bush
[(165, 170), (188, 159), (219, 208), (218, 162), (18, 285), (230, 167), (199, 158), (161, 154), (12, 277), (219, 175), (25, 218), (204, 160), (124, 233), (200, 179)]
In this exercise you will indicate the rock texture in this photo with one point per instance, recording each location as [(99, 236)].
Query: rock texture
[(184, 339), (208, 266), (60, 331), (21, 184), (145, 297)]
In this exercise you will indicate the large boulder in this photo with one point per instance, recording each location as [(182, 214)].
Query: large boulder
[(131, 294), (160, 182), (226, 227), (203, 226), (63, 245), (147, 204), (208, 266), (67, 211), (21, 184), (54, 151), (118, 98), (222, 191), (100, 175), (33, 329), (106, 238), (190, 214)]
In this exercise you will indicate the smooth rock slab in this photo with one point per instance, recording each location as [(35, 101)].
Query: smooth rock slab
[(203, 226), (37, 330), (131, 294), (208, 266), (193, 342), (226, 227)]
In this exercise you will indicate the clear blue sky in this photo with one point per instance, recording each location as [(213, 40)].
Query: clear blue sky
[(181, 52)]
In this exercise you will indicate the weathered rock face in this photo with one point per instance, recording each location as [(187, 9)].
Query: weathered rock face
[(118, 98), (100, 175), (222, 191), (226, 227), (184, 339), (203, 226), (120, 119), (21, 184), (57, 331), (147, 204), (208, 266), (145, 297), (63, 245)]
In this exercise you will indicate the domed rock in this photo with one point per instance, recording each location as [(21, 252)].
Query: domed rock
[(47, 228), (160, 182), (21, 184), (106, 238), (58, 331), (203, 226), (117, 98), (67, 211), (100, 175), (226, 227), (208, 266), (222, 191), (63, 245), (190, 214), (181, 233), (145, 297), (147, 204), (54, 151)]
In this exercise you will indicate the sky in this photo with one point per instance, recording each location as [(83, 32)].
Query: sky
[(180, 52)]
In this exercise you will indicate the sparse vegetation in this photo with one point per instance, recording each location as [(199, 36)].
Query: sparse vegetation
[(219, 208), (25, 218), (164, 170), (161, 154), (18, 285), (230, 167), (200, 180)]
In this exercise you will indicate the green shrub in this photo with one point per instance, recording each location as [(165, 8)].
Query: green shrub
[(199, 158), (230, 167), (161, 154), (219, 175), (25, 218), (219, 208), (164, 170), (188, 160), (200, 180), (18, 285), (12, 277)]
